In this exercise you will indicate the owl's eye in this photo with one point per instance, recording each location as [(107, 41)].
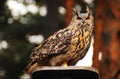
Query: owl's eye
[(88, 18), (79, 18)]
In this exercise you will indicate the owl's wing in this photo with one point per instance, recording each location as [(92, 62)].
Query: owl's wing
[(55, 44)]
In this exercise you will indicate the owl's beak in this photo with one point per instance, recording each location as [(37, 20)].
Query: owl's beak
[(83, 21)]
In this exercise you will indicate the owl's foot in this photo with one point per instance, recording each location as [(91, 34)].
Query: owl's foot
[(64, 64)]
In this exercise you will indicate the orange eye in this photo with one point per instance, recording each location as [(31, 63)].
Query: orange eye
[(79, 18), (88, 18)]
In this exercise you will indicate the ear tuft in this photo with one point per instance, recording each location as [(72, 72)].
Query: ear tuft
[(74, 10), (88, 10)]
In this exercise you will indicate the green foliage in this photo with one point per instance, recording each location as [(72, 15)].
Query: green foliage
[(15, 57)]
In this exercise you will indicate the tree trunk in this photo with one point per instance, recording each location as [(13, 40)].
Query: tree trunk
[(52, 17), (107, 38), (69, 4)]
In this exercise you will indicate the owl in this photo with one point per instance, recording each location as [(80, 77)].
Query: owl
[(66, 46)]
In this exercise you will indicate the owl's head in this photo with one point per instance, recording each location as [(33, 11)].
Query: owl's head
[(83, 19)]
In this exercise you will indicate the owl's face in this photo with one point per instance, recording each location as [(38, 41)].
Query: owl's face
[(83, 19)]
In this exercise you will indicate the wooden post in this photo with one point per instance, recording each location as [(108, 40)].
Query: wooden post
[(71, 72)]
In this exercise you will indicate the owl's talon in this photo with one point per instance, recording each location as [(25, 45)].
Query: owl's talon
[(64, 64)]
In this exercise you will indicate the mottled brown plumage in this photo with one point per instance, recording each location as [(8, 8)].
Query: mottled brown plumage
[(67, 45)]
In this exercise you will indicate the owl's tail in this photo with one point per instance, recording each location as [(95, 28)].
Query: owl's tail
[(30, 67)]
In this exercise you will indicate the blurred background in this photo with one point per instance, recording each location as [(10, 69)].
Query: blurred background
[(26, 23)]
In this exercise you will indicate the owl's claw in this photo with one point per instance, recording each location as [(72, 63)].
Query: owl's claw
[(64, 64)]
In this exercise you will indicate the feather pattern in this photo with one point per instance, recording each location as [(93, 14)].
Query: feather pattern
[(53, 45)]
